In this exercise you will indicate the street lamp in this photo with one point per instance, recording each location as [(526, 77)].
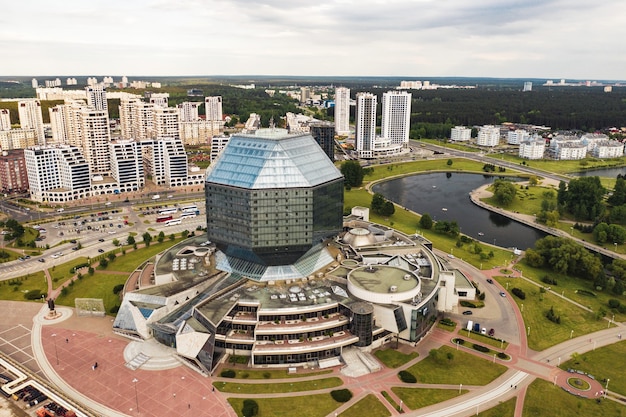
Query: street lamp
[(460, 387), (558, 363), (615, 243), (571, 334), (606, 390), (528, 331), (522, 305), (135, 380), (607, 384), (56, 352)]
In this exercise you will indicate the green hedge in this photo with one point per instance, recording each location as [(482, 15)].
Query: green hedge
[(406, 376)]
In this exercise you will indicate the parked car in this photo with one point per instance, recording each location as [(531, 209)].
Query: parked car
[(491, 332), (489, 280), (101, 250), (100, 240), (467, 313), (41, 260)]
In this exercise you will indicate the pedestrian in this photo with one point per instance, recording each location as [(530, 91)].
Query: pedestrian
[(67, 340), (213, 389), (189, 406), (95, 366), (516, 387)]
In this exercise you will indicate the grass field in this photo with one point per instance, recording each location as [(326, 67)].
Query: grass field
[(394, 359), (415, 398), (16, 288), (543, 332), (273, 388), (315, 405), (505, 409), (568, 286), (601, 363), (100, 285), (63, 272), (543, 399), (273, 373), (368, 406), (464, 368)]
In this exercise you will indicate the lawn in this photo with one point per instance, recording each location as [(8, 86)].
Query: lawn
[(100, 285), (15, 289), (394, 359), (526, 201), (543, 332), (567, 166), (273, 373), (273, 388), (415, 398), (464, 368), (505, 409), (63, 272), (601, 363), (132, 259), (368, 406), (485, 340), (319, 405), (543, 399), (568, 286)]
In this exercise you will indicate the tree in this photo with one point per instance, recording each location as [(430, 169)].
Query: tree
[(619, 193), (130, 240), (584, 198), (147, 238), (378, 201), (388, 209), (426, 222), (504, 192), (353, 173), (161, 237), (104, 263), (449, 162)]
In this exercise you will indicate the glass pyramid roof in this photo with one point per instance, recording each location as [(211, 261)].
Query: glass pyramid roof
[(270, 159)]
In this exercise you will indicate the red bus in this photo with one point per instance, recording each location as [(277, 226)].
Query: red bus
[(163, 219)]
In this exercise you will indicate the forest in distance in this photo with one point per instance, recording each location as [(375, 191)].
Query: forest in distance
[(433, 112)]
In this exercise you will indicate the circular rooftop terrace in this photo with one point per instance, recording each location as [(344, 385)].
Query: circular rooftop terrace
[(383, 284)]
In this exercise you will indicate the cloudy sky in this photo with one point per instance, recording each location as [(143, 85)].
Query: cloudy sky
[(553, 39)]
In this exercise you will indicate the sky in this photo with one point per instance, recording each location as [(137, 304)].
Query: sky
[(551, 39)]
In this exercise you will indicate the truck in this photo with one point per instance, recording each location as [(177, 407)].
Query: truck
[(470, 324), (156, 197), (477, 327)]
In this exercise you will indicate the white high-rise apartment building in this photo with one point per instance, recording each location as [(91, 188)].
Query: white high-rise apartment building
[(166, 122), (188, 111), (126, 116), (460, 134), (342, 110), (57, 174), (213, 108), (30, 115), (97, 97), (127, 165), (396, 117), (488, 135), (365, 124), (608, 149), (165, 160), (5, 119), (34, 83), (58, 123), (94, 138), (515, 137)]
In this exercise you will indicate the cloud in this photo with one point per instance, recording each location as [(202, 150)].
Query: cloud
[(500, 38)]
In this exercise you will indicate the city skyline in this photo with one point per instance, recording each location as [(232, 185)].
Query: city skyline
[(509, 39)]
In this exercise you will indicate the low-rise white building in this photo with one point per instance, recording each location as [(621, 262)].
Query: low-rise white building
[(488, 135), (460, 134), (570, 151), (532, 148), (608, 149), (516, 137)]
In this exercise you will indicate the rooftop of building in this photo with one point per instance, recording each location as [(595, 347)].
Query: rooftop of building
[(272, 158)]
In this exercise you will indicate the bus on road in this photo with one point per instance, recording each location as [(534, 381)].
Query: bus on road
[(166, 211), (190, 209), (173, 222)]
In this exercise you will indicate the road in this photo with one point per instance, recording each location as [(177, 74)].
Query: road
[(60, 237)]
